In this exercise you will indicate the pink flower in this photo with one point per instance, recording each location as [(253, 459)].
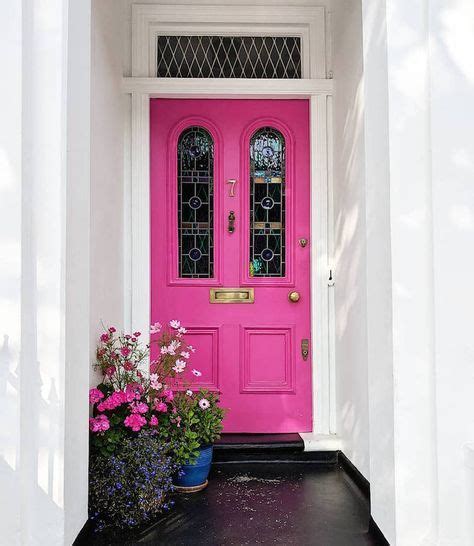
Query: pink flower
[(191, 348), (95, 395), (137, 334), (134, 339), (128, 336), (169, 395), (128, 366), (175, 324), (182, 330), (185, 354), (110, 371), (104, 338), (125, 351), (204, 403), (189, 392), (99, 424), (139, 407), (135, 421), (112, 330), (154, 421), (155, 328), (133, 391), (116, 399), (161, 407), (178, 421), (196, 373)]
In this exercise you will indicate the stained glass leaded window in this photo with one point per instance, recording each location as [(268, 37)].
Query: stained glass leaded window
[(267, 203), (195, 204)]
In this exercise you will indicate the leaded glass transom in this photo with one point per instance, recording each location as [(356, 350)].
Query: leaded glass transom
[(195, 204), (267, 203), (229, 57)]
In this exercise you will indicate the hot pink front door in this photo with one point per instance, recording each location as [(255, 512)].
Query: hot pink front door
[(230, 213)]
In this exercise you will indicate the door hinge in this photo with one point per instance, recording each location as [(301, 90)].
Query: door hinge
[(331, 278)]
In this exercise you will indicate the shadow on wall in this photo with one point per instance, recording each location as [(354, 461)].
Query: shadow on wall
[(33, 454)]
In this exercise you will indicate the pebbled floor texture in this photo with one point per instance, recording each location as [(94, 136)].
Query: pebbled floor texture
[(262, 503)]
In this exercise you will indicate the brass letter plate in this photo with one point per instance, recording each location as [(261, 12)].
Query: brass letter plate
[(231, 295)]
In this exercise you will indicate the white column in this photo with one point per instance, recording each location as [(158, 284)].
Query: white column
[(419, 82), (44, 288), (452, 146)]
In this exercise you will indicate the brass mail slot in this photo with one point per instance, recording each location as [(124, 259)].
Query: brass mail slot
[(231, 295)]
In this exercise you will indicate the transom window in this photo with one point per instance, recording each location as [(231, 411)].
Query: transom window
[(229, 57)]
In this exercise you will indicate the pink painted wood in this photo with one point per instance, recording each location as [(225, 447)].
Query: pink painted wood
[(251, 353)]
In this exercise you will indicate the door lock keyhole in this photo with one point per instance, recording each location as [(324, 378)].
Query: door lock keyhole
[(231, 225)]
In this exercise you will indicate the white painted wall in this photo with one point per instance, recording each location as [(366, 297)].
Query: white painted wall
[(44, 298), (350, 235), (107, 168)]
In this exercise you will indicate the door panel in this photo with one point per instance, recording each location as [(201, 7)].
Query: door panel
[(250, 352)]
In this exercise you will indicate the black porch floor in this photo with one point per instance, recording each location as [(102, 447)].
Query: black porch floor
[(301, 503)]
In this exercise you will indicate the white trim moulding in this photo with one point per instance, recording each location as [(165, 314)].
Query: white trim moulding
[(225, 88)]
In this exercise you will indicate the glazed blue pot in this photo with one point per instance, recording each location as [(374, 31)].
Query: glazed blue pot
[(196, 474)]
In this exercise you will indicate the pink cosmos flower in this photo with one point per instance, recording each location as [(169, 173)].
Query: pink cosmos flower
[(191, 348), (161, 407), (99, 424), (185, 354), (155, 328), (197, 373), (125, 351), (154, 382), (95, 395), (135, 421), (204, 403), (154, 421), (182, 330), (178, 421), (104, 338), (169, 395), (112, 330), (110, 371), (175, 324), (139, 407)]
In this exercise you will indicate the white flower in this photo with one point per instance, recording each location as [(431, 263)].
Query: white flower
[(196, 373), (182, 330), (191, 348), (185, 354), (204, 403), (189, 392), (179, 366), (156, 385), (155, 328), (164, 350), (175, 344), (154, 377), (175, 324)]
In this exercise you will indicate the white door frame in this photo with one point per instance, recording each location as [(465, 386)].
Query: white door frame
[(318, 90)]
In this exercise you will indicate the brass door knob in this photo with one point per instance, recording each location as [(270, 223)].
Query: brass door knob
[(294, 296)]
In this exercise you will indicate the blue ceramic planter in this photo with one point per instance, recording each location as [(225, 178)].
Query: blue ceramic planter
[(196, 474)]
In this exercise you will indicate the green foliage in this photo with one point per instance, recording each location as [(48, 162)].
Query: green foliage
[(200, 423)]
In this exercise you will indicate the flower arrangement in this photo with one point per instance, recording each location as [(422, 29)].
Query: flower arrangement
[(132, 409)]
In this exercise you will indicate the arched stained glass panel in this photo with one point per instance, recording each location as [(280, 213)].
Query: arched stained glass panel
[(267, 203), (196, 204)]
